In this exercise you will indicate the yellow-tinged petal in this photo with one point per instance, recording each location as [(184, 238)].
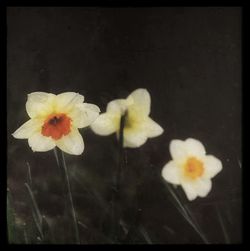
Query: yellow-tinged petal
[(84, 114), (71, 143), (153, 129), (28, 128), (117, 106), (134, 138), (40, 143), (190, 147), (141, 100), (203, 187), (106, 124), (190, 190), (171, 173), (178, 149), (40, 104), (212, 166), (67, 100), (195, 147)]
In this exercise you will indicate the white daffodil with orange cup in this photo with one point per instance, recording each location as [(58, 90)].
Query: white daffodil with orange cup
[(191, 168), (138, 126), (54, 121)]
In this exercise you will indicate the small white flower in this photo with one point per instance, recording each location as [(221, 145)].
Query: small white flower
[(54, 121), (191, 167), (138, 125)]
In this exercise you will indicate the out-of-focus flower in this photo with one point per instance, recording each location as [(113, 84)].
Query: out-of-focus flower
[(138, 126), (191, 167), (54, 121)]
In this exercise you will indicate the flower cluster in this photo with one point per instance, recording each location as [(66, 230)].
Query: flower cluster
[(55, 119)]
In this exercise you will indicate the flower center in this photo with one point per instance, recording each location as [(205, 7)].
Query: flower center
[(56, 125), (193, 168), (129, 120)]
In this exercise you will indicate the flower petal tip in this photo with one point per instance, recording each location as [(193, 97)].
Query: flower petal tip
[(161, 130)]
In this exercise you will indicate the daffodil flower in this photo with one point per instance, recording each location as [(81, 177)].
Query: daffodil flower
[(54, 121), (191, 168), (138, 126)]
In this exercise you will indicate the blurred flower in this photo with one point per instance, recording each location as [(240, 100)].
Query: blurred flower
[(191, 167), (54, 121), (138, 126)]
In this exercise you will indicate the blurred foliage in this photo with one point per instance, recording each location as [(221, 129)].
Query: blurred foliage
[(11, 222), (16, 229), (45, 212)]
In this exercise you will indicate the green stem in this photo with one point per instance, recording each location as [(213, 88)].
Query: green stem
[(227, 239), (187, 215), (35, 212), (133, 227), (62, 164), (10, 219), (120, 163), (117, 182), (25, 235), (145, 234)]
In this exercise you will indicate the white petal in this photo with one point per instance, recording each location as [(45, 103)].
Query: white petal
[(67, 100), (84, 114), (203, 187), (170, 173), (105, 124), (28, 128), (212, 166), (178, 149), (71, 143), (40, 143), (195, 147), (39, 104), (141, 100), (153, 129), (117, 106), (134, 138), (190, 190)]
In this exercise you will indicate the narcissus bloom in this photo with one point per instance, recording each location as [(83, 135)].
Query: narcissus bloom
[(138, 126), (191, 167), (54, 121)]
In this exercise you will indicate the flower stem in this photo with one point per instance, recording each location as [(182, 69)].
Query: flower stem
[(62, 165), (120, 142), (35, 212), (225, 233), (187, 214), (117, 182)]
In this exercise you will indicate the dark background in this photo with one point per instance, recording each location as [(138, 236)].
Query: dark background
[(189, 59)]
